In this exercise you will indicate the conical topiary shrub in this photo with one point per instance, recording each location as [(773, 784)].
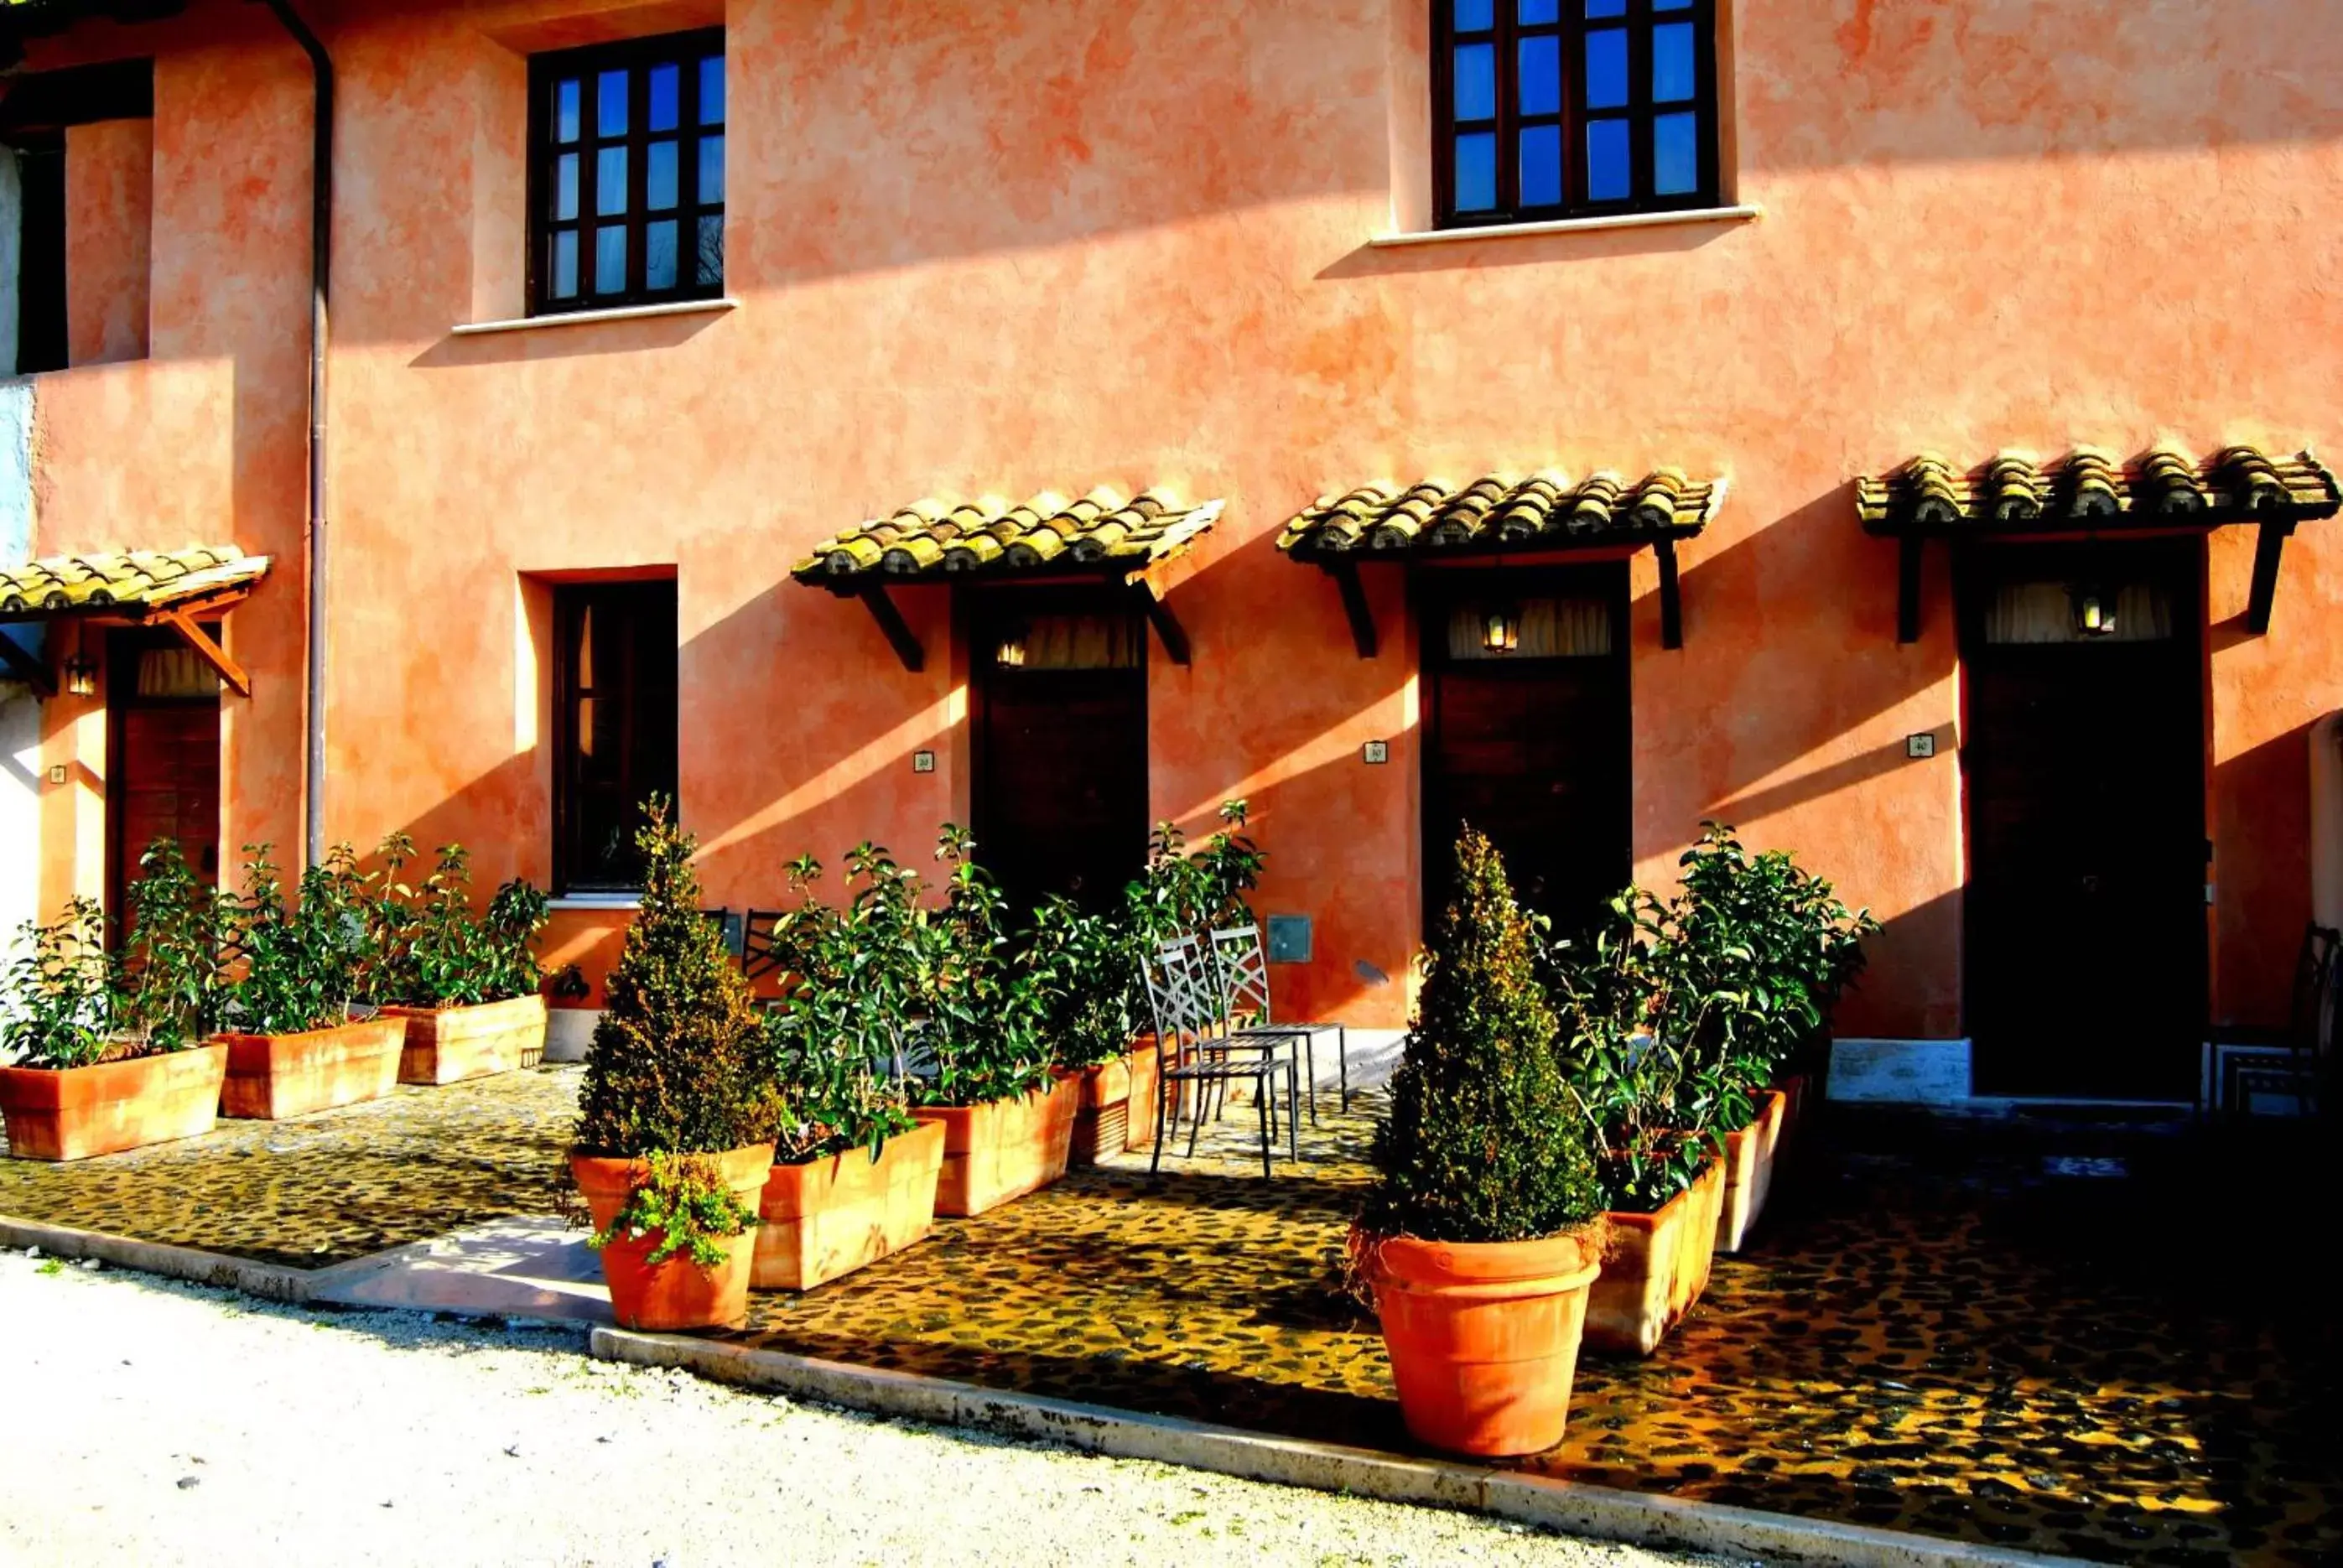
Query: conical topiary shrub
[(1485, 1140), (1481, 1240), (677, 1067)]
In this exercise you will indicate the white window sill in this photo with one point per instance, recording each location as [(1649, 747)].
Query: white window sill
[(596, 901), (1572, 225), (586, 318)]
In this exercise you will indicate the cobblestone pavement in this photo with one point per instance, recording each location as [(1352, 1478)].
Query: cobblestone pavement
[(1972, 1330)]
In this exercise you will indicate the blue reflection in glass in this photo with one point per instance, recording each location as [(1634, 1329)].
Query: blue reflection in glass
[(1476, 172), (565, 187), (1675, 155), (610, 260), (666, 96), (1671, 4), (711, 170), (565, 99), (1598, 8), (707, 258), (565, 264), (1540, 74), (610, 181), (1538, 12), (1671, 66), (1475, 16), (1476, 81), (611, 104), (1609, 175), (659, 256), (658, 177), (1606, 68), (1542, 165), (711, 90)]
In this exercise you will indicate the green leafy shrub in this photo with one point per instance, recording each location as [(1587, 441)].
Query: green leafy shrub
[(182, 931), (1485, 1140), (1180, 893), (300, 959), (65, 1002), (677, 1063), (1083, 969), (839, 1036), (431, 951), (683, 1200), (983, 1022)]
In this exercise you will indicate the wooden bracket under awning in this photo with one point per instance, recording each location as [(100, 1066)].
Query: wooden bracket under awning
[(890, 621), (21, 666), (229, 671)]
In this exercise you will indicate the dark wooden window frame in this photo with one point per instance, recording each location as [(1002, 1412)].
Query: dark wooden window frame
[(569, 602), (1639, 112), (636, 55)]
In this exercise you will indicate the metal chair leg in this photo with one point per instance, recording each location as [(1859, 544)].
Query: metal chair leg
[(1310, 1053), (1260, 1105), (1293, 1115), (1343, 1056), (1163, 1089)]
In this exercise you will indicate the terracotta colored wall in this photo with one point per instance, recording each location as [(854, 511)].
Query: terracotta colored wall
[(109, 205), (988, 250)]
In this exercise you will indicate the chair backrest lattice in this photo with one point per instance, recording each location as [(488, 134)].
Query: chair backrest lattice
[(759, 934), (1243, 965), (1176, 1035), (1192, 988), (2312, 1024)]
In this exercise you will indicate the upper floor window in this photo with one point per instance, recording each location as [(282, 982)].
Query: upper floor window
[(627, 173), (1572, 109)]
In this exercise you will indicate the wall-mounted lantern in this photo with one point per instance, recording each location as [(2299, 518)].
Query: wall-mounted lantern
[(81, 676), (1501, 629), (2094, 609), (1010, 654)]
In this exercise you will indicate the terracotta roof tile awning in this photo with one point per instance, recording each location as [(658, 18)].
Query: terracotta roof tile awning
[(1501, 514), (133, 585), (1497, 512), (2088, 492), (2089, 495), (931, 541), (163, 587)]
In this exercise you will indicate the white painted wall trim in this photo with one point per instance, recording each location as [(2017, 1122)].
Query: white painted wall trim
[(1734, 215)]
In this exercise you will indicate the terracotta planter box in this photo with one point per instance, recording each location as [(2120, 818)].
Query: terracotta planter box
[(77, 1112), (1749, 1156), (1483, 1336), (1797, 1093), (829, 1217), (1145, 1082), (450, 1044), (1655, 1267), (1003, 1149), (275, 1075), (677, 1293), (1102, 1111)]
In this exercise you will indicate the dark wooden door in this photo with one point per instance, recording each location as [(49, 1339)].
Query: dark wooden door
[(1531, 746), (1059, 792), (163, 773), (2084, 764)]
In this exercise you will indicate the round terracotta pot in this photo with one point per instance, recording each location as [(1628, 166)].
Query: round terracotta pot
[(676, 1293), (1483, 1336), (604, 1183)]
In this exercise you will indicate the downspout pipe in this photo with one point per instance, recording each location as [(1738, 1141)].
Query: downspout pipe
[(321, 240)]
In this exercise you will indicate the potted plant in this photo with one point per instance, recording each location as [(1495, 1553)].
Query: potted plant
[(1082, 966), (854, 1176), (1481, 1236), (676, 1068), (986, 1075), (295, 1042), (1753, 956), (99, 1061), (470, 987), (1650, 1103)]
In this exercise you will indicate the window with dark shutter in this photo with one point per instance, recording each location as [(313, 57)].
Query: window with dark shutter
[(1572, 109), (627, 173)]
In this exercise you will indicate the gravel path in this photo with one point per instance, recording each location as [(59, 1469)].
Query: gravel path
[(152, 1422)]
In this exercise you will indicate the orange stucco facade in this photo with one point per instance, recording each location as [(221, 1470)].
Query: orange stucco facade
[(989, 250)]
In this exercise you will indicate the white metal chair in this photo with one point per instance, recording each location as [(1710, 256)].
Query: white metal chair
[(1243, 966), (1187, 1056)]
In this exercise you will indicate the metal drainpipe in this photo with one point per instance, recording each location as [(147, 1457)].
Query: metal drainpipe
[(321, 210)]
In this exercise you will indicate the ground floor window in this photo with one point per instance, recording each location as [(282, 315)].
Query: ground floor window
[(613, 726), (1059, 791)]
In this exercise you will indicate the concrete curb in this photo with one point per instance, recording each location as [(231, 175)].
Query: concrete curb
[(1639, 1518), (270, 1281)]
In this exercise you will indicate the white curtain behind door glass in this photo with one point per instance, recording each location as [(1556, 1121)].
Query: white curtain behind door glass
[(1550, 628), (176, 672), (1081, 642), (2043, 612)]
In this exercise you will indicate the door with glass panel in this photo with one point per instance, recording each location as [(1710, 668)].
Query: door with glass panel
[(1526, 732), (2083, 761), (1060, 726), (163, 767)]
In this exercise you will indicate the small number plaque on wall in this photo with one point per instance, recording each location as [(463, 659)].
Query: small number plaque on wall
[(1289, 938)]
